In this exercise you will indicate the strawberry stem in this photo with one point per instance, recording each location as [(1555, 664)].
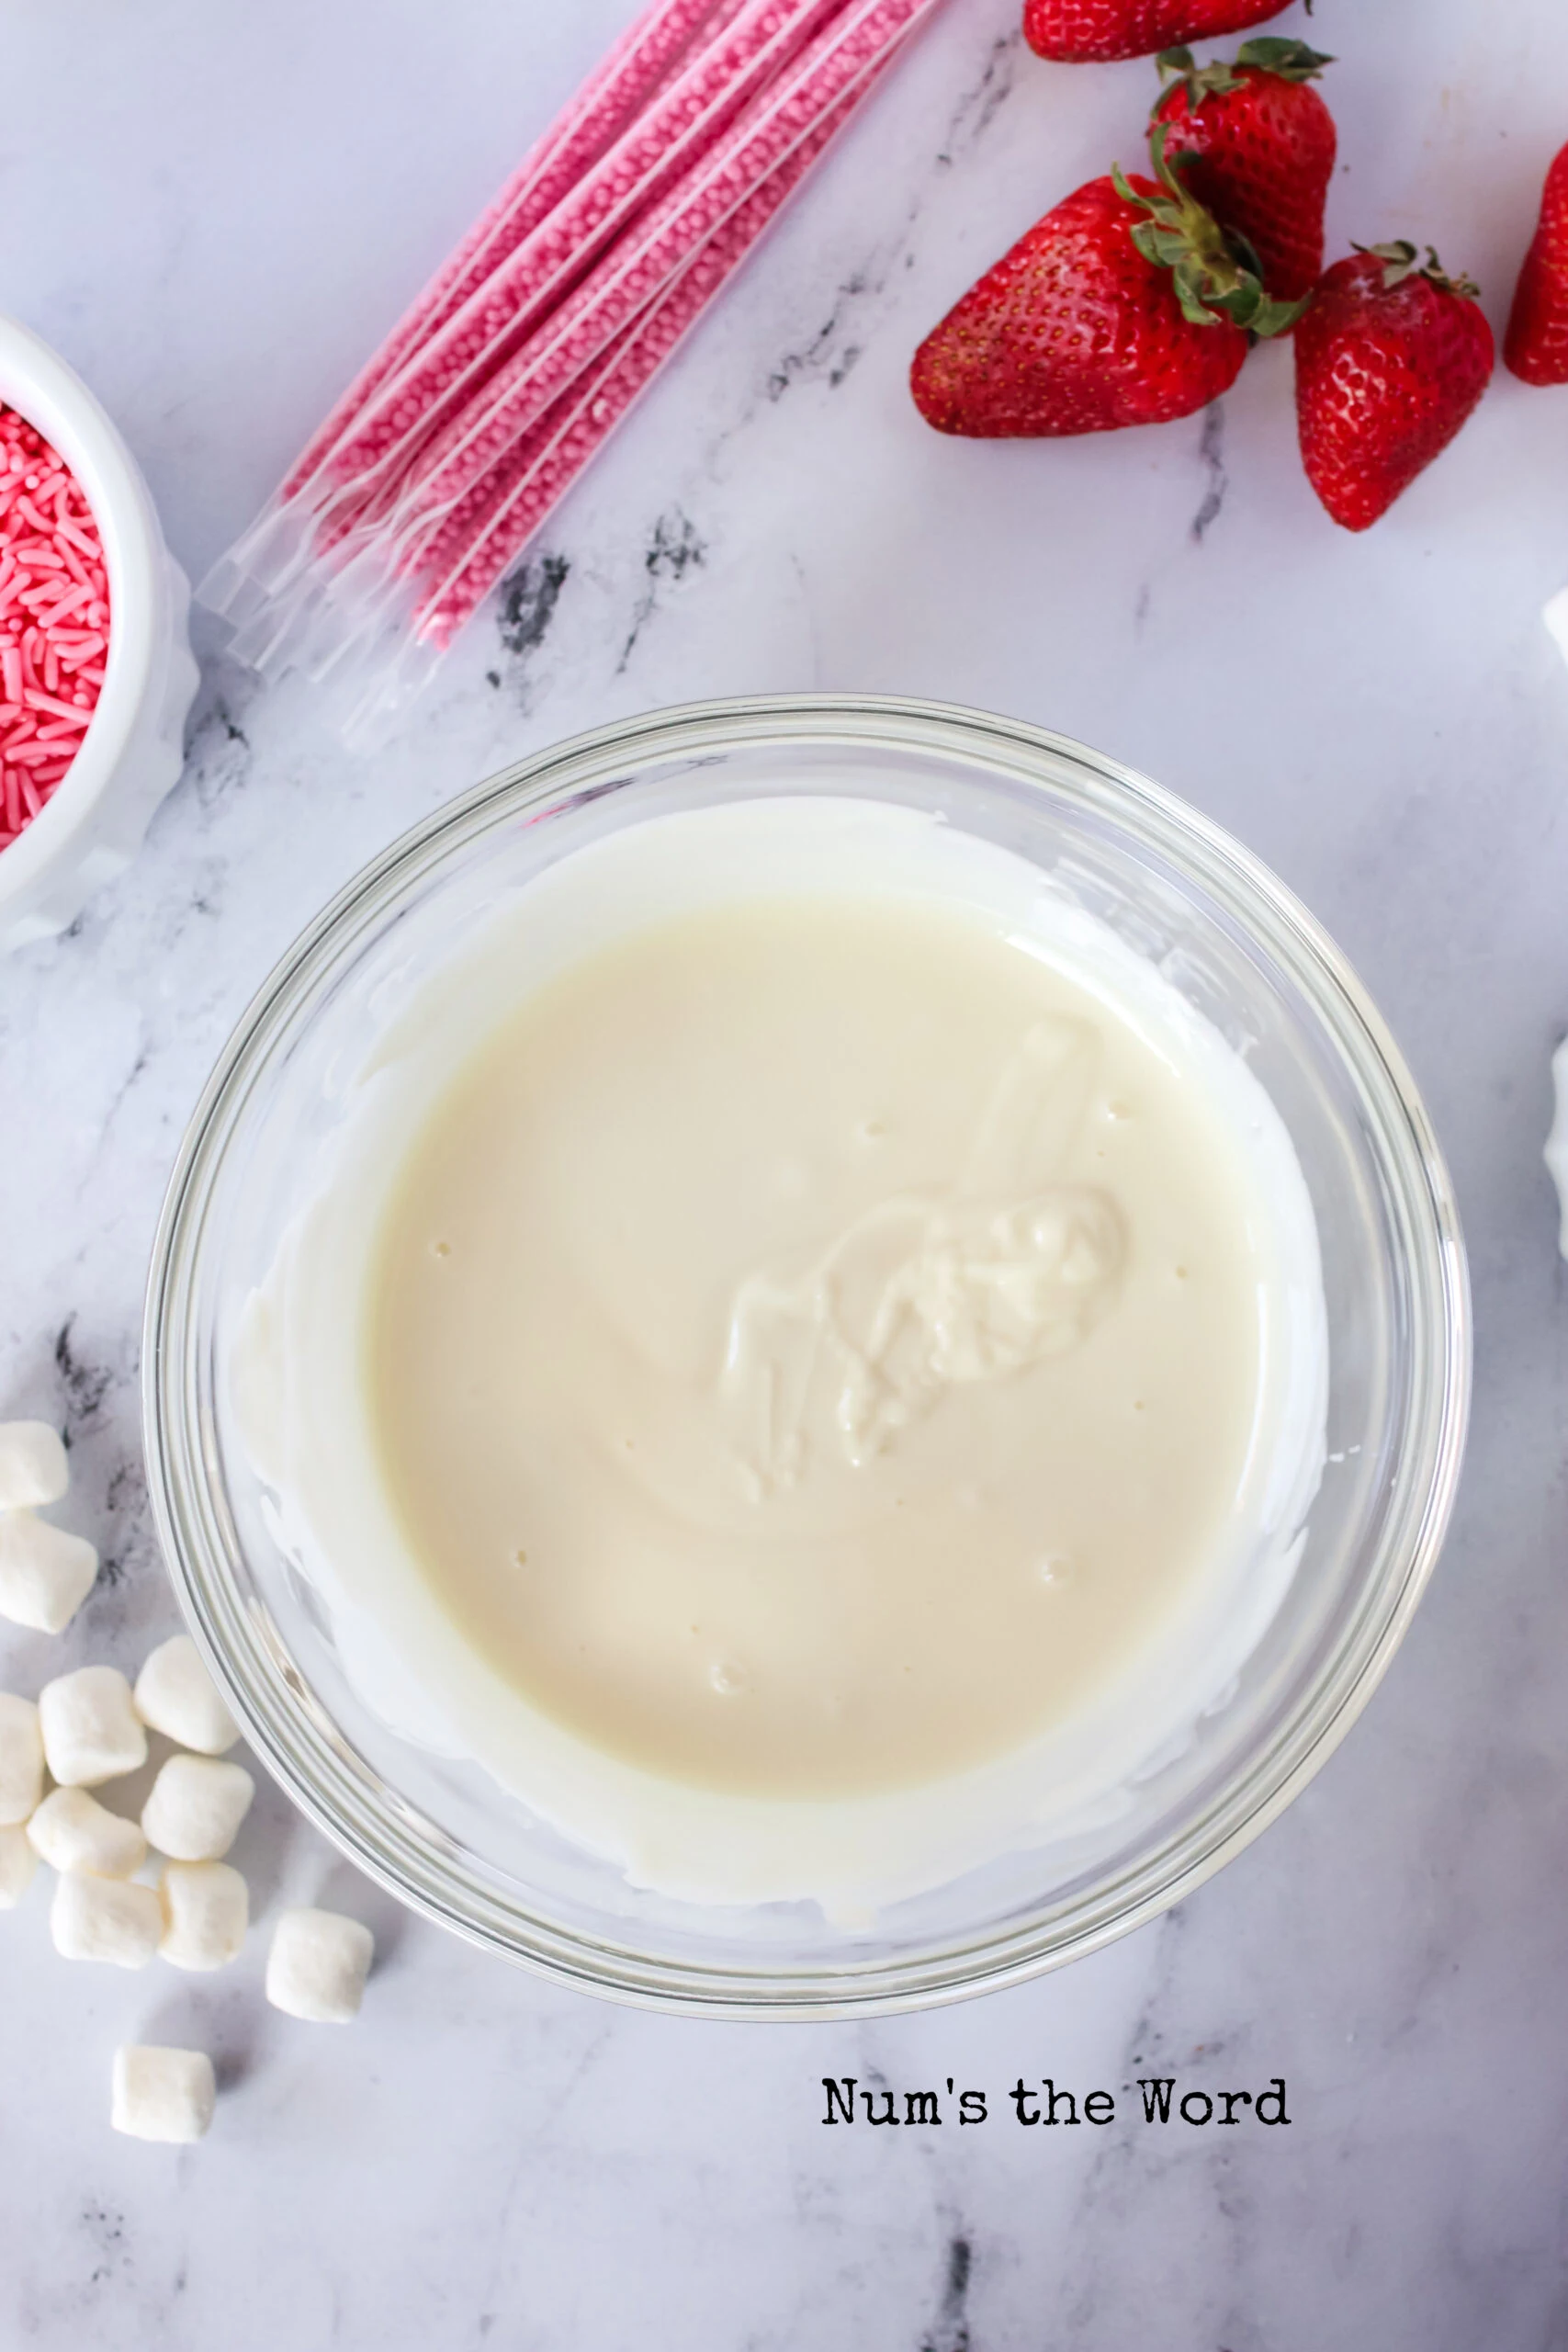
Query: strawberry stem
[(1401, 260), (1212, 282), (1291, 61)]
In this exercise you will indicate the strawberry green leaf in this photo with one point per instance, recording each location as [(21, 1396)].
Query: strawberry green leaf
[(1177, 65), (1246, 252), (1401, 260), (1213, 279), (1293, 61), (1129, 194), (1188, 277), (1272, 318)]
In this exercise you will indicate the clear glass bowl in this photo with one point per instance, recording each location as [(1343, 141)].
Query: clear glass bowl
[(443, 1835)]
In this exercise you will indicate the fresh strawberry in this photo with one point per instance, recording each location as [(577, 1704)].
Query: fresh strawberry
[(1124, 305), (1078, 31), (1256, 146), (1391, 358), (1536, 346)]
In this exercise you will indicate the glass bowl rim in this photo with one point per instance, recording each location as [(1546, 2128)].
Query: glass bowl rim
[(307, 1760)]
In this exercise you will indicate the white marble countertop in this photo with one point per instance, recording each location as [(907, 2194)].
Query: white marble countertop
[(228, 210)]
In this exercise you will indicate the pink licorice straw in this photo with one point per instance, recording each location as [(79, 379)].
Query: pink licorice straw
[(614, 93), (439, 538), (654, 249), (479, 541), (491, 325), (54, 621)]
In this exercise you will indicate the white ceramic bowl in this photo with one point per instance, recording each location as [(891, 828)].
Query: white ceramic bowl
[(131, 754)]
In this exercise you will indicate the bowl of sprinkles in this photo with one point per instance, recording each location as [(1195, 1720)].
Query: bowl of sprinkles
[(96, 670), (54, 621)]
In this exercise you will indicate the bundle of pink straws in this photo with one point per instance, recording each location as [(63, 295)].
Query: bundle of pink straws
[(519, 359)]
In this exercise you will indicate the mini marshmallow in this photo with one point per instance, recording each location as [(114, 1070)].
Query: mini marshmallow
[(45, 1573), (17, 1863), (317, 1967), (33, 1468), (206, 1908), (175, 1694), (105, 1918), (196, 1806), (163, 2094), (91, 1732), (21, 1759), (71, 1831)]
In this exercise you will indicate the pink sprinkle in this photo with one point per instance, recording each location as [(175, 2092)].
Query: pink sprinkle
[(77, 539), (53, 618), (40, 701), (64, 607)]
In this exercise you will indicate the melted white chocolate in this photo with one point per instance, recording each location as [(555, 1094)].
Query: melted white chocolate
[(924, 1291), (825, 1386), (769, 1301)]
